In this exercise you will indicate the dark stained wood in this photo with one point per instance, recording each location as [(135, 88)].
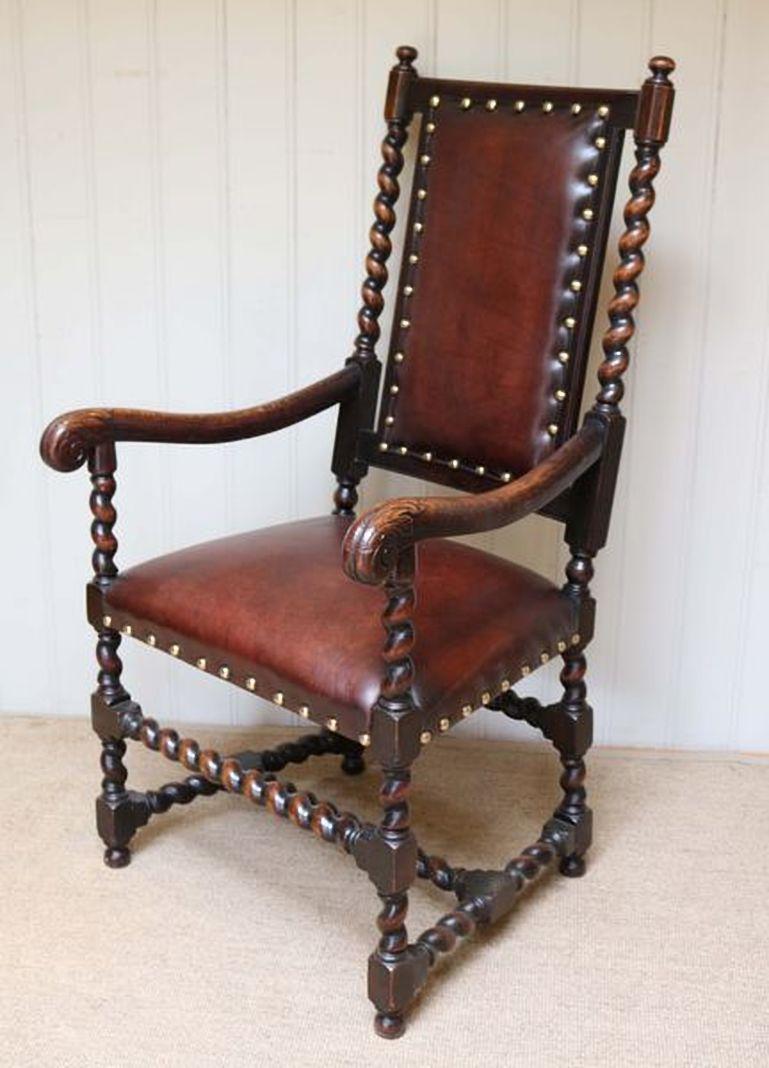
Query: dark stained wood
[(553, 467)]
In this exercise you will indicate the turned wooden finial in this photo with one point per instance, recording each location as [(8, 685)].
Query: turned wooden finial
[(655, 102), (406, 55)]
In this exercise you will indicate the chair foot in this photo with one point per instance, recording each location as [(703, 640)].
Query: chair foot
[(353, 764), (117, 856), (389, 1024), (573, 867)]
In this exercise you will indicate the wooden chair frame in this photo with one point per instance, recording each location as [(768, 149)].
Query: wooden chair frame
[(575, 484)]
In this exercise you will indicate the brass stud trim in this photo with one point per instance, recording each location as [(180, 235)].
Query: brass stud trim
[(560, 395), (485, 697), (151, 640), (389, 420), (465, 103), (418, 227), (332, 723), (364, 740), (544, 657), (278, 698), (525, 669), (127, 629), (561, 647), (467, 710), (394, 389), (592, 179), (587, 214), (383, 446), (430, 126), (174, 649), (403, 450), (421, 194), (413, 257), (603, 111), (600, 142), (398, 357), (552, 429), (224, 672), (405, 324), (106, 621), (570, 322), (505, 476), (424, 160), (547, 106), (575, 639), (428, 456), (576, 108), (426, 737), (480, 470), (251, 683), (454, 464), (444, 724), (582, 250), (201, 662), (434, 101), (520, 105), (505, 685), (575, 285), (563, 356), (304, 711)]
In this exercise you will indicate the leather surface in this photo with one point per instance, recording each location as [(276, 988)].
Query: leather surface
[(275, 605), (497, 252)]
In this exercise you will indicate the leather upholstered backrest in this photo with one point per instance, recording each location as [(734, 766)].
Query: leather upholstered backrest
[(510, 204)]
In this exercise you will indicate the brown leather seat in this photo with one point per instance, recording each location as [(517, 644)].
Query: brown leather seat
[(273, 611)]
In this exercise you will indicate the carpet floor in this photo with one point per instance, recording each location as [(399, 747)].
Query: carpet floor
[(235, 939)]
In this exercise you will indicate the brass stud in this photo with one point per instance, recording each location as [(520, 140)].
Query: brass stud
[(278, 698), (174, 649), (389, 420), (575, 639), (576, 108), (398, 357), (421, 194), (603, 111), (592, 179), (547, 107), (480, 470), (600, 142), (504, 685), (224, 672), (407, 291), (563, 356), (444, 724), (201, 662), (107, 621), (544, 657), (425, 737), (424, 160), (525, 669), (467, 710), (465, 103), (151, 640), (427, 456), (251, 683), (364, 740), (560, 395), (413, 258), (552, 430), (561, 646), (405, 324), (570, 322), (332, 723), (520, 105), (394, 389), (127, 629), (304, 711), (434, 101), (576, 285), (491, 105), (587, 214), (454, 464), (485, 697), (383, 446), (430, 126), (582, 250), (505, 476), (403, 450), (418, 227)]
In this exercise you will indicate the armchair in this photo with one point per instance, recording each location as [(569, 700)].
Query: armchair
[(507, 227)]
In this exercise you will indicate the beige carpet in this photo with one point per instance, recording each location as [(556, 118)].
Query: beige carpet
[(235, 939)]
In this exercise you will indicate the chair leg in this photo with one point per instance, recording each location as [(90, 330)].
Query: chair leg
[(572, 745), (389, 855), (117, 809)]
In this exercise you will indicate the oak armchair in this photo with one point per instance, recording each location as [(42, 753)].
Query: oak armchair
[(507, 227)]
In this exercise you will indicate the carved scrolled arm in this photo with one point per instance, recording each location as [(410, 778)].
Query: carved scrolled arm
[(71, 438), (375, 542)]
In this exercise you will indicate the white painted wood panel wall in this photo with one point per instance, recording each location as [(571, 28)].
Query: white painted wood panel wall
[(186, 189)]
